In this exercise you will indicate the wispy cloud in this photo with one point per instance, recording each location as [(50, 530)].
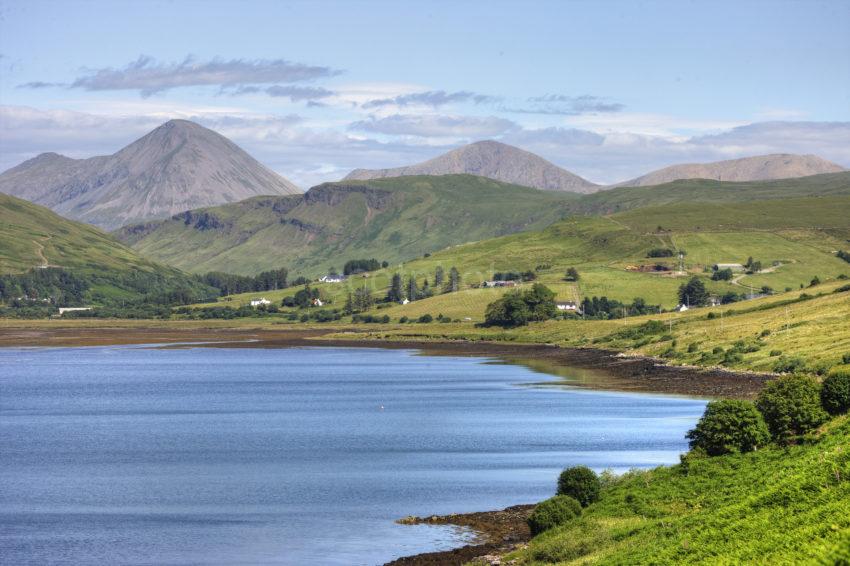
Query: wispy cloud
[(559, 104), (295, 93), (149, 76), (40, 84), (433, 98), (435, 125)]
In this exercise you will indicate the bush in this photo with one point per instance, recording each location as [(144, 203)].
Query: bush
[(426, 318), (789, 365), (553, 512), (845, 359), (835, 391), (729, 426), (791, 407), (581, 483)]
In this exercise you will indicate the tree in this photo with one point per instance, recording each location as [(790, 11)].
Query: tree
[(553, 512), (396, 292), (835, 391), (580, 483), (572, 274), (541, 302), (439, 275), (729, 426), (453, 286), (412, 289), (355, 266), (363, 299), (693, 293), (508, 311), (791, 407)]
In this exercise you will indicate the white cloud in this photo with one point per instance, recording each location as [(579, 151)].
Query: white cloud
[(436, 125)]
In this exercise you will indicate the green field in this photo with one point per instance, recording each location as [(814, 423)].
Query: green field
[(603, 249), (773, 506)]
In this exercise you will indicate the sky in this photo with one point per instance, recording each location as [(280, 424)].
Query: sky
[(608, 90)]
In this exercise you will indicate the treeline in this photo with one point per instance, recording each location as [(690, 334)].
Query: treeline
[(603, 308), (230, 284), (514, 276), (40, 292)]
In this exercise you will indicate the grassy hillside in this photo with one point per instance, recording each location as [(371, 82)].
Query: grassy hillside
[(799, 235), (33, 238), (390, 219), (403, 218), (774, 506)]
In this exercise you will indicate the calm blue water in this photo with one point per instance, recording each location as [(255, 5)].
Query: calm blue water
[(129, 455)]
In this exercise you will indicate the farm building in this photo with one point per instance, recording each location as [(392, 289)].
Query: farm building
[(260, 302), (567, 306)]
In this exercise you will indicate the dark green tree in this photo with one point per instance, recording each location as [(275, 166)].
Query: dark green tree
[(791, 407), (453, 286), (580, 483), (412, 289), (571, 274), (729, 426), (693, 293), (396, 292), (439, 276)]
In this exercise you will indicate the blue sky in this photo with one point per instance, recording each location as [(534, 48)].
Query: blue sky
[(608, 90)]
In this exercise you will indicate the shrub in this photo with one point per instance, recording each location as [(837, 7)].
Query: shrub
[(426, 318), (789, 365), (791, 407), (717, 350), (579, 482), (729, 426), (553, 512), (845, 359), (835, 391), (774, 353)]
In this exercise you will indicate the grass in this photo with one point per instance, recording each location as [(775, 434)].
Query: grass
[(31, 235), (388, 219), (774, 506), (402, 218), (604, 248)]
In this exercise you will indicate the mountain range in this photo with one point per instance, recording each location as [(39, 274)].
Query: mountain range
[(178, 166)]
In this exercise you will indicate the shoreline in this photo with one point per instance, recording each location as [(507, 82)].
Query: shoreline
[(593, 368)]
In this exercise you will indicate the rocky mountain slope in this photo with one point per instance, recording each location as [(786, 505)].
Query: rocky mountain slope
[(758, 168), (178, 166), (493, 160)]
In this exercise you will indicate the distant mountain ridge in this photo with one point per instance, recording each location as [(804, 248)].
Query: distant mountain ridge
[(757, 168), (178, 166), (494, 160)]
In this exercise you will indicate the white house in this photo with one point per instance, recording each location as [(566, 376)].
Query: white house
[(260, 302), (567, 306), (63, 310), (682, 308), (405, 301), (332, 279), (317, 302)]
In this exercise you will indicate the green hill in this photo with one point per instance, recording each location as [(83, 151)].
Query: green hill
[(37, 244), (774, 506), (389, 219), (402, 218)]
